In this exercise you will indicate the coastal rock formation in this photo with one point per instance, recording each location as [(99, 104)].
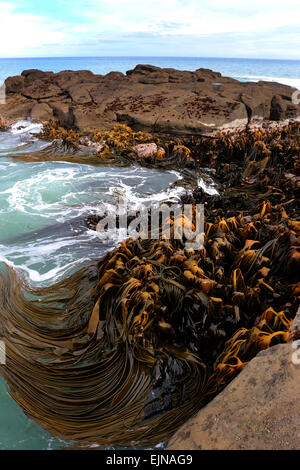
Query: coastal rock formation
[(147, 98), (258, 410)]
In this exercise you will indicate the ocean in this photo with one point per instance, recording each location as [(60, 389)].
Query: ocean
[(42, 204), (283, 71)]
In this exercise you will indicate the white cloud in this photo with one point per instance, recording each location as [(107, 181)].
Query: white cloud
[(192, 16), (21, 32), (194, 23)]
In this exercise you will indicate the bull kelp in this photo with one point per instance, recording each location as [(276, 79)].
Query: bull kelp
[(124, 351)]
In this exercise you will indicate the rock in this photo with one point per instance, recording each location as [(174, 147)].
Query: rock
[(112, 76), (68, 78), (39, 89), (94, 146), (143, 68), (84, 118), (14, 84), (210, 73), (63, 113), (149, 98), (155, 78), (80, 94), (16, 108), (145, 150), (259, 409), (278, 108), (257, 104), (41, 112), (33, 74), (282, 108)]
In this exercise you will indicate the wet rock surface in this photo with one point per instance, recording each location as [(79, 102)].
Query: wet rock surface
[(258, 410), (147, 98)]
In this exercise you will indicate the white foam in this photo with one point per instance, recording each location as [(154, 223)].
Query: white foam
[(35, 276), (293, 82), (26, 127), (208, 188)]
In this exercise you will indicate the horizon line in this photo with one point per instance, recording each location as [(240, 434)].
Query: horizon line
[(149, 56)]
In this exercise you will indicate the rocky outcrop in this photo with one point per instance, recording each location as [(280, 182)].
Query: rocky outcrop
[(147, 98), (258, 410)]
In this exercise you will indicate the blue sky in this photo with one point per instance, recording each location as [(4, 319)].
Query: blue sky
[(192, 28)]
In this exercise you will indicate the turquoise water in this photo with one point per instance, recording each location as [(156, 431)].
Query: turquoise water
[(17, 432), (284, 71)]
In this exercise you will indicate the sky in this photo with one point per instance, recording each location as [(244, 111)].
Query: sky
[(185, 28)]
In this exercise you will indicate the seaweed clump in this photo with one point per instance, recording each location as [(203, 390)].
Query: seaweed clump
[(3, 125), (121, 145), (53, 131)]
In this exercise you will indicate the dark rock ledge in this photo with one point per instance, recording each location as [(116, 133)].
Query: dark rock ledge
[(147, 98)]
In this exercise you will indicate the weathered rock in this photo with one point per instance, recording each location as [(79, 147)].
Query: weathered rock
[(41, 112), (145, 150), (94, 146), (41, 89), (69, 78), (257, 103), (63, 113), (16, 108), (149, 98), (34, 74), (80, 94), (86, 119), (143, 68), (14, 84), (258, 410)]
